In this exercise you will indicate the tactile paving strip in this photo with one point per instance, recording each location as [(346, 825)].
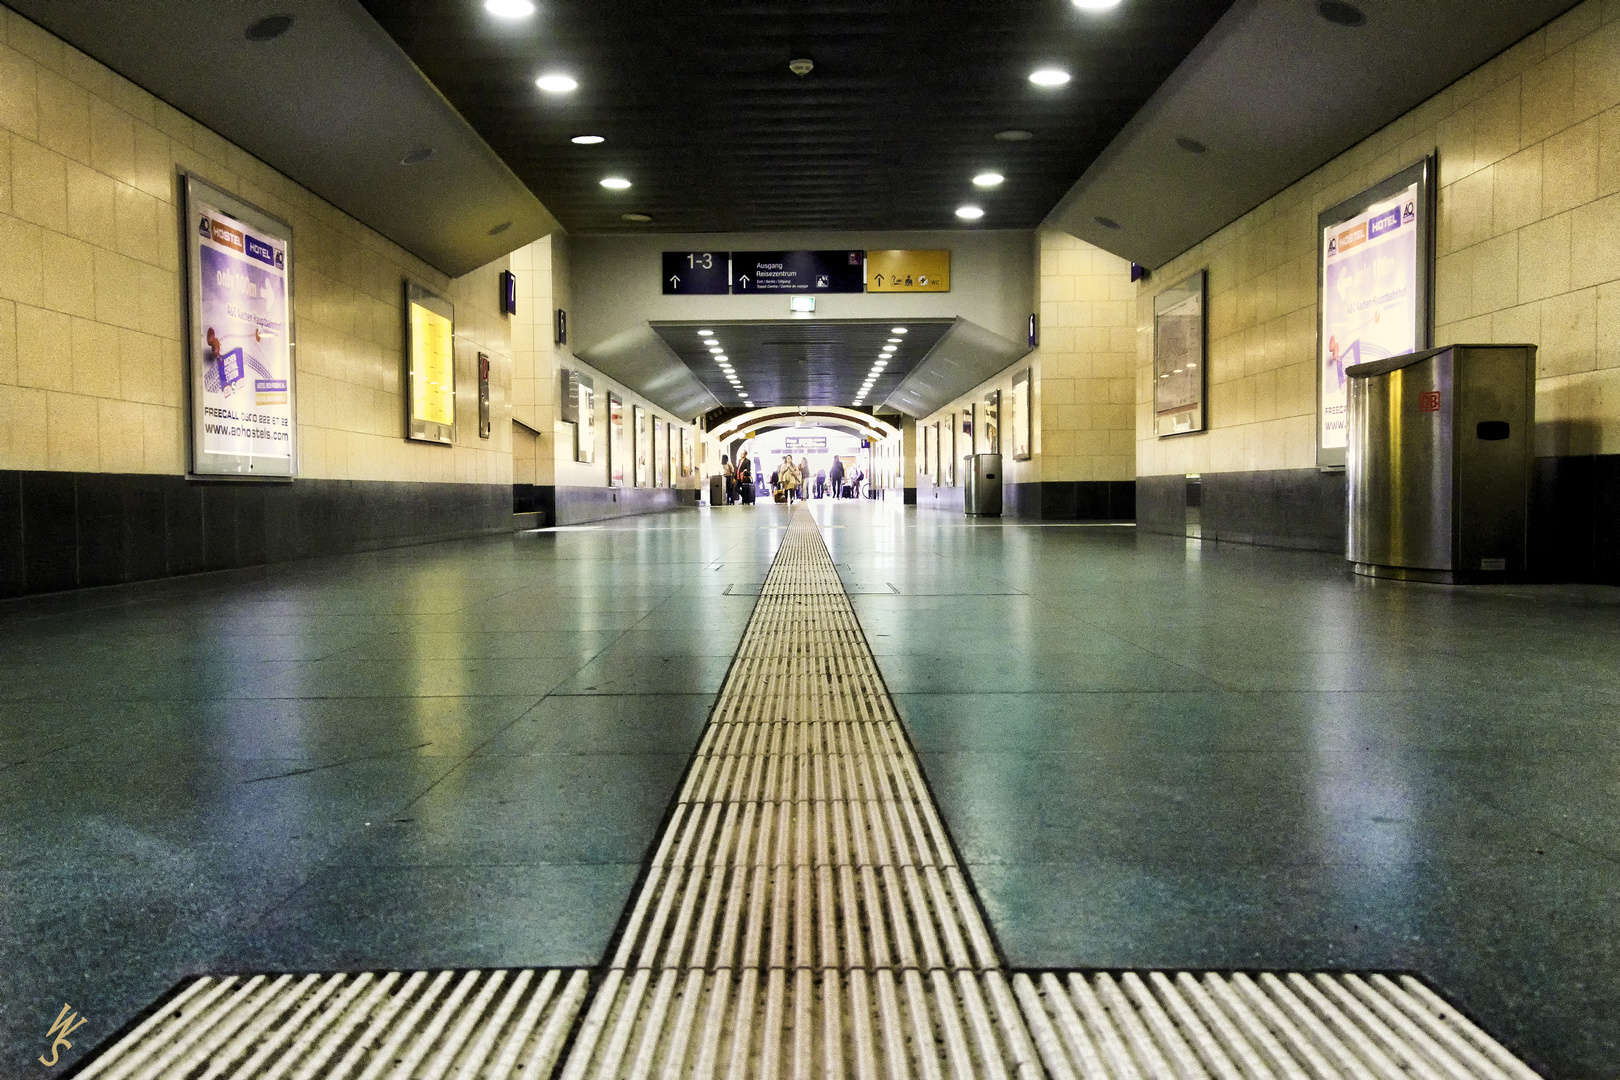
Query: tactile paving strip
[(445, 1025), (804, 916)]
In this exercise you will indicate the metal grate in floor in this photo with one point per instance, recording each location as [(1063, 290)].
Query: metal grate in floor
[(804, 915)]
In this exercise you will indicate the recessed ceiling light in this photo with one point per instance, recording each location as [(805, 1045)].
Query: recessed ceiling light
[(417, 156), (509, 9), (1106, 222), (969, 213), (1049, 77), (717, 352), (587, 140), (897, 330), (562, 84), (887, 349), (617, 183), (269, 28), (988, 179), (1191, 145), (894, 341), (711, 341), (705, 333), (498, 229), (1096, 5), (1339, 13), (1015, 135)]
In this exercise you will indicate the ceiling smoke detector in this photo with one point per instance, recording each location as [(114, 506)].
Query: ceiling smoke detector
[(802, 66)]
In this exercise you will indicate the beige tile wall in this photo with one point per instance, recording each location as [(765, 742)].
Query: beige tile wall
[(1528, 250), (92, 367), (1082, 389), (543, 282)]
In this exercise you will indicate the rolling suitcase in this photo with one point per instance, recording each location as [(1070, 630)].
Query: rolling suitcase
[(747, 490)]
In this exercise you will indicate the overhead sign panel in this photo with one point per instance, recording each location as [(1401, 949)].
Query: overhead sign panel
[(798, 271), (901, 270), (697, 273)]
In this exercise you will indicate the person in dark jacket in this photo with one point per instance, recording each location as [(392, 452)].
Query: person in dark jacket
[(837, 477)]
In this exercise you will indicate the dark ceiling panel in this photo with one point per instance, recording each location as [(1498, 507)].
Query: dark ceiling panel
[(803, 361), (701, 113)]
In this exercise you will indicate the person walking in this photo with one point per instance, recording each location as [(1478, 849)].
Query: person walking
[(804, 478), (787, 477), (730, 472), (837, 477)]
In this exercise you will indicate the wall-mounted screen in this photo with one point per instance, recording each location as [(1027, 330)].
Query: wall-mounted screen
[(616, 453), (1375, 272), (582, 394), (430, 366), (1179, 357), (643, 447), (1022, 439), (243, 393)]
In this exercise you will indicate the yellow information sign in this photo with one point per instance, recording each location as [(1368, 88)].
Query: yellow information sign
[(900, 270), (433, 389)]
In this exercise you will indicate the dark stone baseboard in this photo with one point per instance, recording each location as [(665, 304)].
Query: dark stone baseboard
[(61, 530), (1290, 508), (576, 505), (1071, 500), (1574, 521)]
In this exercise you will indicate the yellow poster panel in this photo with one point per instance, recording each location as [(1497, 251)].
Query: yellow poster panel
[(900, 270), (433, 388)]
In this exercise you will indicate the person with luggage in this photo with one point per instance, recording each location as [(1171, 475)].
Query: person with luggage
[(837, 477), (745, 478), (730, 472), (804, 478)]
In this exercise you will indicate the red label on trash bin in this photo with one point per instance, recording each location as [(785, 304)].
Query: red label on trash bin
[(1429, 401)]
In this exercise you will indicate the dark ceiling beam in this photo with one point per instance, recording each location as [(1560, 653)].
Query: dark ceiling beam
[(1273, 92), (332, 103)]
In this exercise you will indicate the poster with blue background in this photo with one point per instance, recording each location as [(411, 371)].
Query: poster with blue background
[(1370, 298), (246, 402)]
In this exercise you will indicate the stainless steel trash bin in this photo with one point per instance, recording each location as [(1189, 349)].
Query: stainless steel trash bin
[(1439, 463), (981, 493)]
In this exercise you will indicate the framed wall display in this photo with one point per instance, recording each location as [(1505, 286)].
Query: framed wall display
[(430, 366), (643, 447), (616, 454), (688, 447), (992, 422), (1023, 439), (660, 453), (924, 462), (1179, 351), (483, 395), (949, 447), (583, 392), (1375, 281), (239, 278)]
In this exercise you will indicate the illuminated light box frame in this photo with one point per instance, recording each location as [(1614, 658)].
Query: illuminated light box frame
[(240, 355), (430, 366), (1181, 357), (1375, 289)]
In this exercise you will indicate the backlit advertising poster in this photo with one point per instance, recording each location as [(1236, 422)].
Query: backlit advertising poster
[(660, 450), (243, 404), (616, 452), (643, 450), (430, 366), (1376, 254)]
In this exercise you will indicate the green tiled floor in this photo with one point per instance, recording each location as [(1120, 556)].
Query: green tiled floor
[(1168, 754), (1150, 754)]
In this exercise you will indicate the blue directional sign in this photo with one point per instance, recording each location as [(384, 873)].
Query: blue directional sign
[(697, 273), (798, 271)]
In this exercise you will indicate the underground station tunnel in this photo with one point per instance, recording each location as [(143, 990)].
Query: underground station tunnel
[(1057, 540)]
